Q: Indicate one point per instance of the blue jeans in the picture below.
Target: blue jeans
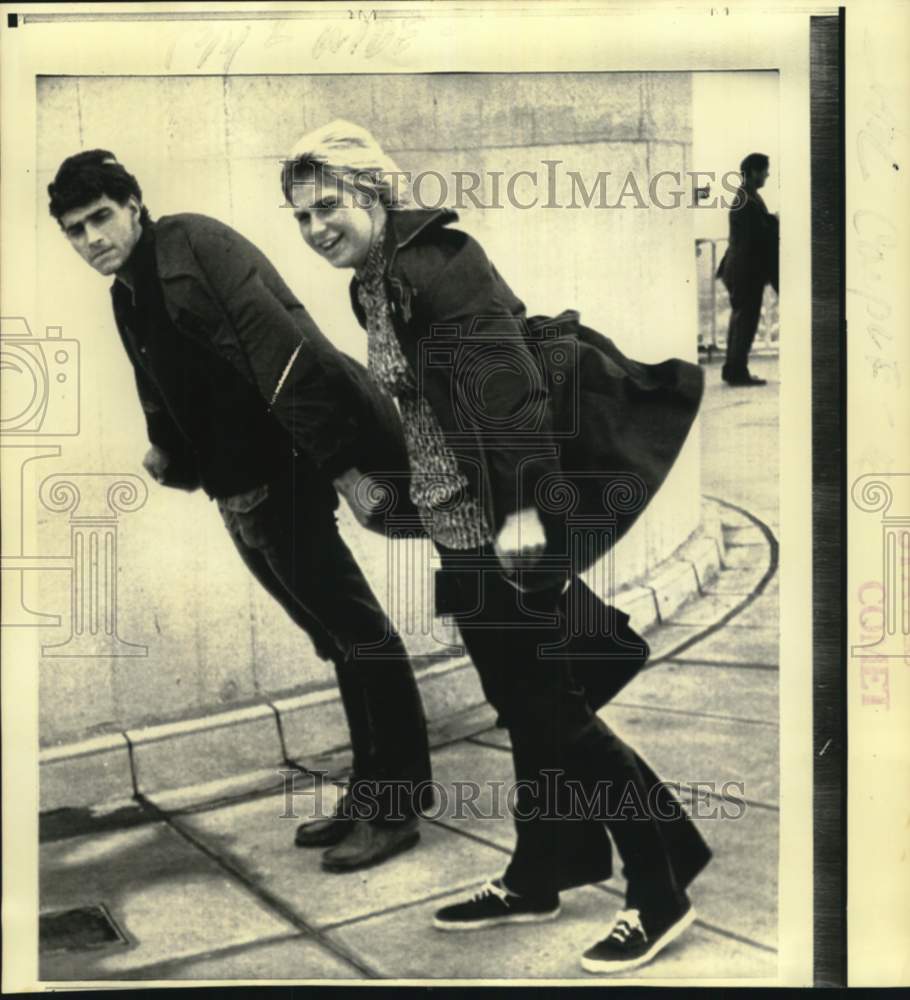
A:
(287, 534)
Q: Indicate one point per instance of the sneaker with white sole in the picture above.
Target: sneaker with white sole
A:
(629, 944)
(493, 904)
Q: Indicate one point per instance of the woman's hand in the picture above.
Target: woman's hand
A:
(521, 539)
(365, 495)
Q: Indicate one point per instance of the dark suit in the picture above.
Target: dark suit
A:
(750, 263)
(254, 404)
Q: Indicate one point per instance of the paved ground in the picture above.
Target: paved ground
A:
(214, 890)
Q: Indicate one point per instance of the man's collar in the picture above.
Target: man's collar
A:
(120, 286)
(138, 262)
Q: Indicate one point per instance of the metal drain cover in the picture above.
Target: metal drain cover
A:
(79, 929)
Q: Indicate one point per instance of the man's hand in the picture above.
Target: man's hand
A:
(521, 540)
(156, 462)
(364, 494)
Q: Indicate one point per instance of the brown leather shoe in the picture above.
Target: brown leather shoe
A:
(328, 831)
(323, 832)
(369, 844)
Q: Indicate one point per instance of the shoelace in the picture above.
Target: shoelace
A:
(491, 889)
(625, 924)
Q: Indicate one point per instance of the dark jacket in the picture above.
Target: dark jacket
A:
(539, 411)
(222, 293)
(751, 259)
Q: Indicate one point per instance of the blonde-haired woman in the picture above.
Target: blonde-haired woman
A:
(482, 403)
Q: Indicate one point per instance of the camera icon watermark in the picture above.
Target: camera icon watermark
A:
(41, 400)
(40, 381)
(509, 380)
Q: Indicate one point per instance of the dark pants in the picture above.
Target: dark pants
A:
(290, 542)
(568, 762)
(744, 317)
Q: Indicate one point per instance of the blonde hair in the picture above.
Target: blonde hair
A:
(350, 154)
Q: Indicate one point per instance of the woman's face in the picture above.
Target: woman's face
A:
(332, 221)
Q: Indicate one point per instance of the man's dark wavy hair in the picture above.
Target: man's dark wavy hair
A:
(754, 161)
(87, 176)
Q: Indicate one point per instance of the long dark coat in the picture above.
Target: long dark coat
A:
(751, 259)
(538, 410)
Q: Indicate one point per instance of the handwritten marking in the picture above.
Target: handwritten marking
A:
(227, 41)
(366, 36)
(878, 243)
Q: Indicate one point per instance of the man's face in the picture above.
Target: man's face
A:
(332, 222)
(103, 232)
(758, 177)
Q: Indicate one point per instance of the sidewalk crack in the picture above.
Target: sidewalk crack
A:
(266, 898)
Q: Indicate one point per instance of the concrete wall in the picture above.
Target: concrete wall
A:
(213, 145)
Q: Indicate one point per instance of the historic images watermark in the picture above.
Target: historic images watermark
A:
(551, 184)
(555, 797)
(41, 401)
(884, 615)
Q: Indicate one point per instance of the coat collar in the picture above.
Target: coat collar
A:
(172, 248)
(165, 248)
(172, 235)
(404, 226)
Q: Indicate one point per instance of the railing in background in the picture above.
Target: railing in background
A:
(714, 306)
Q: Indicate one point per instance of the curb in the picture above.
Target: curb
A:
(305, 730)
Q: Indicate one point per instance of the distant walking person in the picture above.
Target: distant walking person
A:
(750, 263)
(245, 397)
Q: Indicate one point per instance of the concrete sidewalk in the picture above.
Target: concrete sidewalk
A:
(209, 888)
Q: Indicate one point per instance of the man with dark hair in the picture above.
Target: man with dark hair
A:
(750, 263)
(245, 397)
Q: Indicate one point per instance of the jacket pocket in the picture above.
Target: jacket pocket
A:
(246, 518)
(243, 503)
